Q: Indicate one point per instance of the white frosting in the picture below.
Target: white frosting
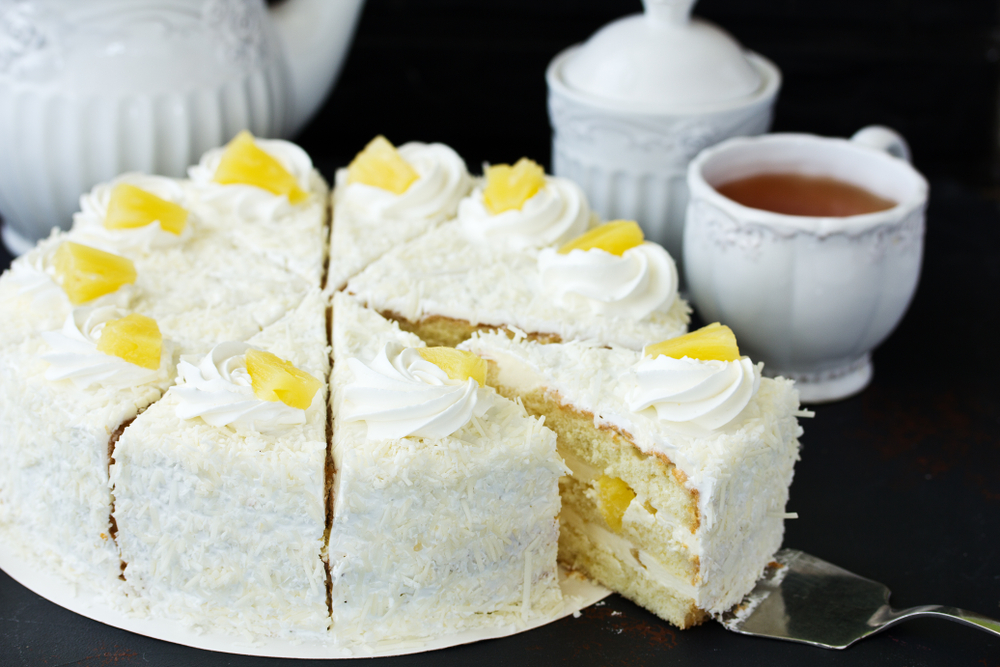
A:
(75, 356)
(557, 213)
(402, 394)
(219, 390)
(223, 528)
(54, 492)
(34, 278)
(368, 221)
(432, 536)
(248, 201)
(442, 182)
(640, 281)
(443, 274)
(706, 394)
(88, 223)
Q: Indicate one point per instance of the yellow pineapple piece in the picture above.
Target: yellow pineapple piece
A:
(615, 237)
(132, 207)
(243, 162)
(712, 342)
(274, 379)
(380, 165)
(86, 273)
(613, 496)
(509, 187)
(135, 338)
(457, 364)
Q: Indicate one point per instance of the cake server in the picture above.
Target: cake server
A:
(804, 599)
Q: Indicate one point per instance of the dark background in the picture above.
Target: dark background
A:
(900, 483)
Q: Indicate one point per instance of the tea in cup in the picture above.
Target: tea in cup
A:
(809, 248)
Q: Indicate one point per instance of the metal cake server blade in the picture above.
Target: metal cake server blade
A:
(804, 599)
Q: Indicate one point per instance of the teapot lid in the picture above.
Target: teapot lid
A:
(663, 59)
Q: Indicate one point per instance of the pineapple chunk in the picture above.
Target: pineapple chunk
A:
(457, 364)
(274, 379)
(380, 165)
(614, 497)
(135, 338)
(615, 237)
(132, 207)
(712, 342)
(86, 273)
(509, 187)
(243, 162)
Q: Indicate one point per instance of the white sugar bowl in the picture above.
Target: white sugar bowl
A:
(632, 106)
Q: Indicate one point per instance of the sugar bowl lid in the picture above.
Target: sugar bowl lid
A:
(663, 59)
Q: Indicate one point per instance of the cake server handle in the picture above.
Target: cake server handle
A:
(887, 616)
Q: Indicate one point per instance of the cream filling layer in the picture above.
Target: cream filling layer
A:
(640, 561)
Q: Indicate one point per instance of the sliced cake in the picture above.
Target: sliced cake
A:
(386, 197)
(67, 395)
(220, 487)
(522, 254)
(266, 197)
(681, 461)
(445, 497)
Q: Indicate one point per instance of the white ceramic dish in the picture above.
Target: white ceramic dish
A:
(578, 592)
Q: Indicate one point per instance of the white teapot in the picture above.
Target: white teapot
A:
(92, 89)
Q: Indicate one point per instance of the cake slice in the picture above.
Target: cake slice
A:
(219, 494)
(265, 196)
(508, 261)
(387, 197)
(68, 394)
(680, 466)
(445, 496)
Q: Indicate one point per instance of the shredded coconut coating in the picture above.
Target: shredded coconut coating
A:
(433, 536)
(741, 471)
(54, 495)
(223, 528)
(445, 273)
(362, 230)
(293, 237)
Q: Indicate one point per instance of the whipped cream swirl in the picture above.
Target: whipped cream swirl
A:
(704, 394)
(219, 390)
(557, 213)
(402, 394)
(34, 277)
(75, 356)
(642, 280)
(88, 223)
(248, 201)
(442, 182)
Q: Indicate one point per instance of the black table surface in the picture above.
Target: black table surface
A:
(899, 483)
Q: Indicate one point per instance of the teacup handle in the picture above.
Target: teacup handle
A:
(885, 139)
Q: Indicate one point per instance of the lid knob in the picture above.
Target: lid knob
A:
(677, 12)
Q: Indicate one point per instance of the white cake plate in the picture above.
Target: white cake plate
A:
(578, 592)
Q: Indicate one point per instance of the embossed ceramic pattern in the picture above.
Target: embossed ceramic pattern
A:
(810, 297)
(91, 89)
(633, 165)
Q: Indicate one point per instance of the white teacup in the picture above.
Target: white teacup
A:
(811, 297)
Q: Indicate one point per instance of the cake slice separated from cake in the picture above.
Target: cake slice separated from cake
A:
(68, 393)
(522, 254)
(219, 488)
(445, 497)
(680, 466)
(386, 197)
